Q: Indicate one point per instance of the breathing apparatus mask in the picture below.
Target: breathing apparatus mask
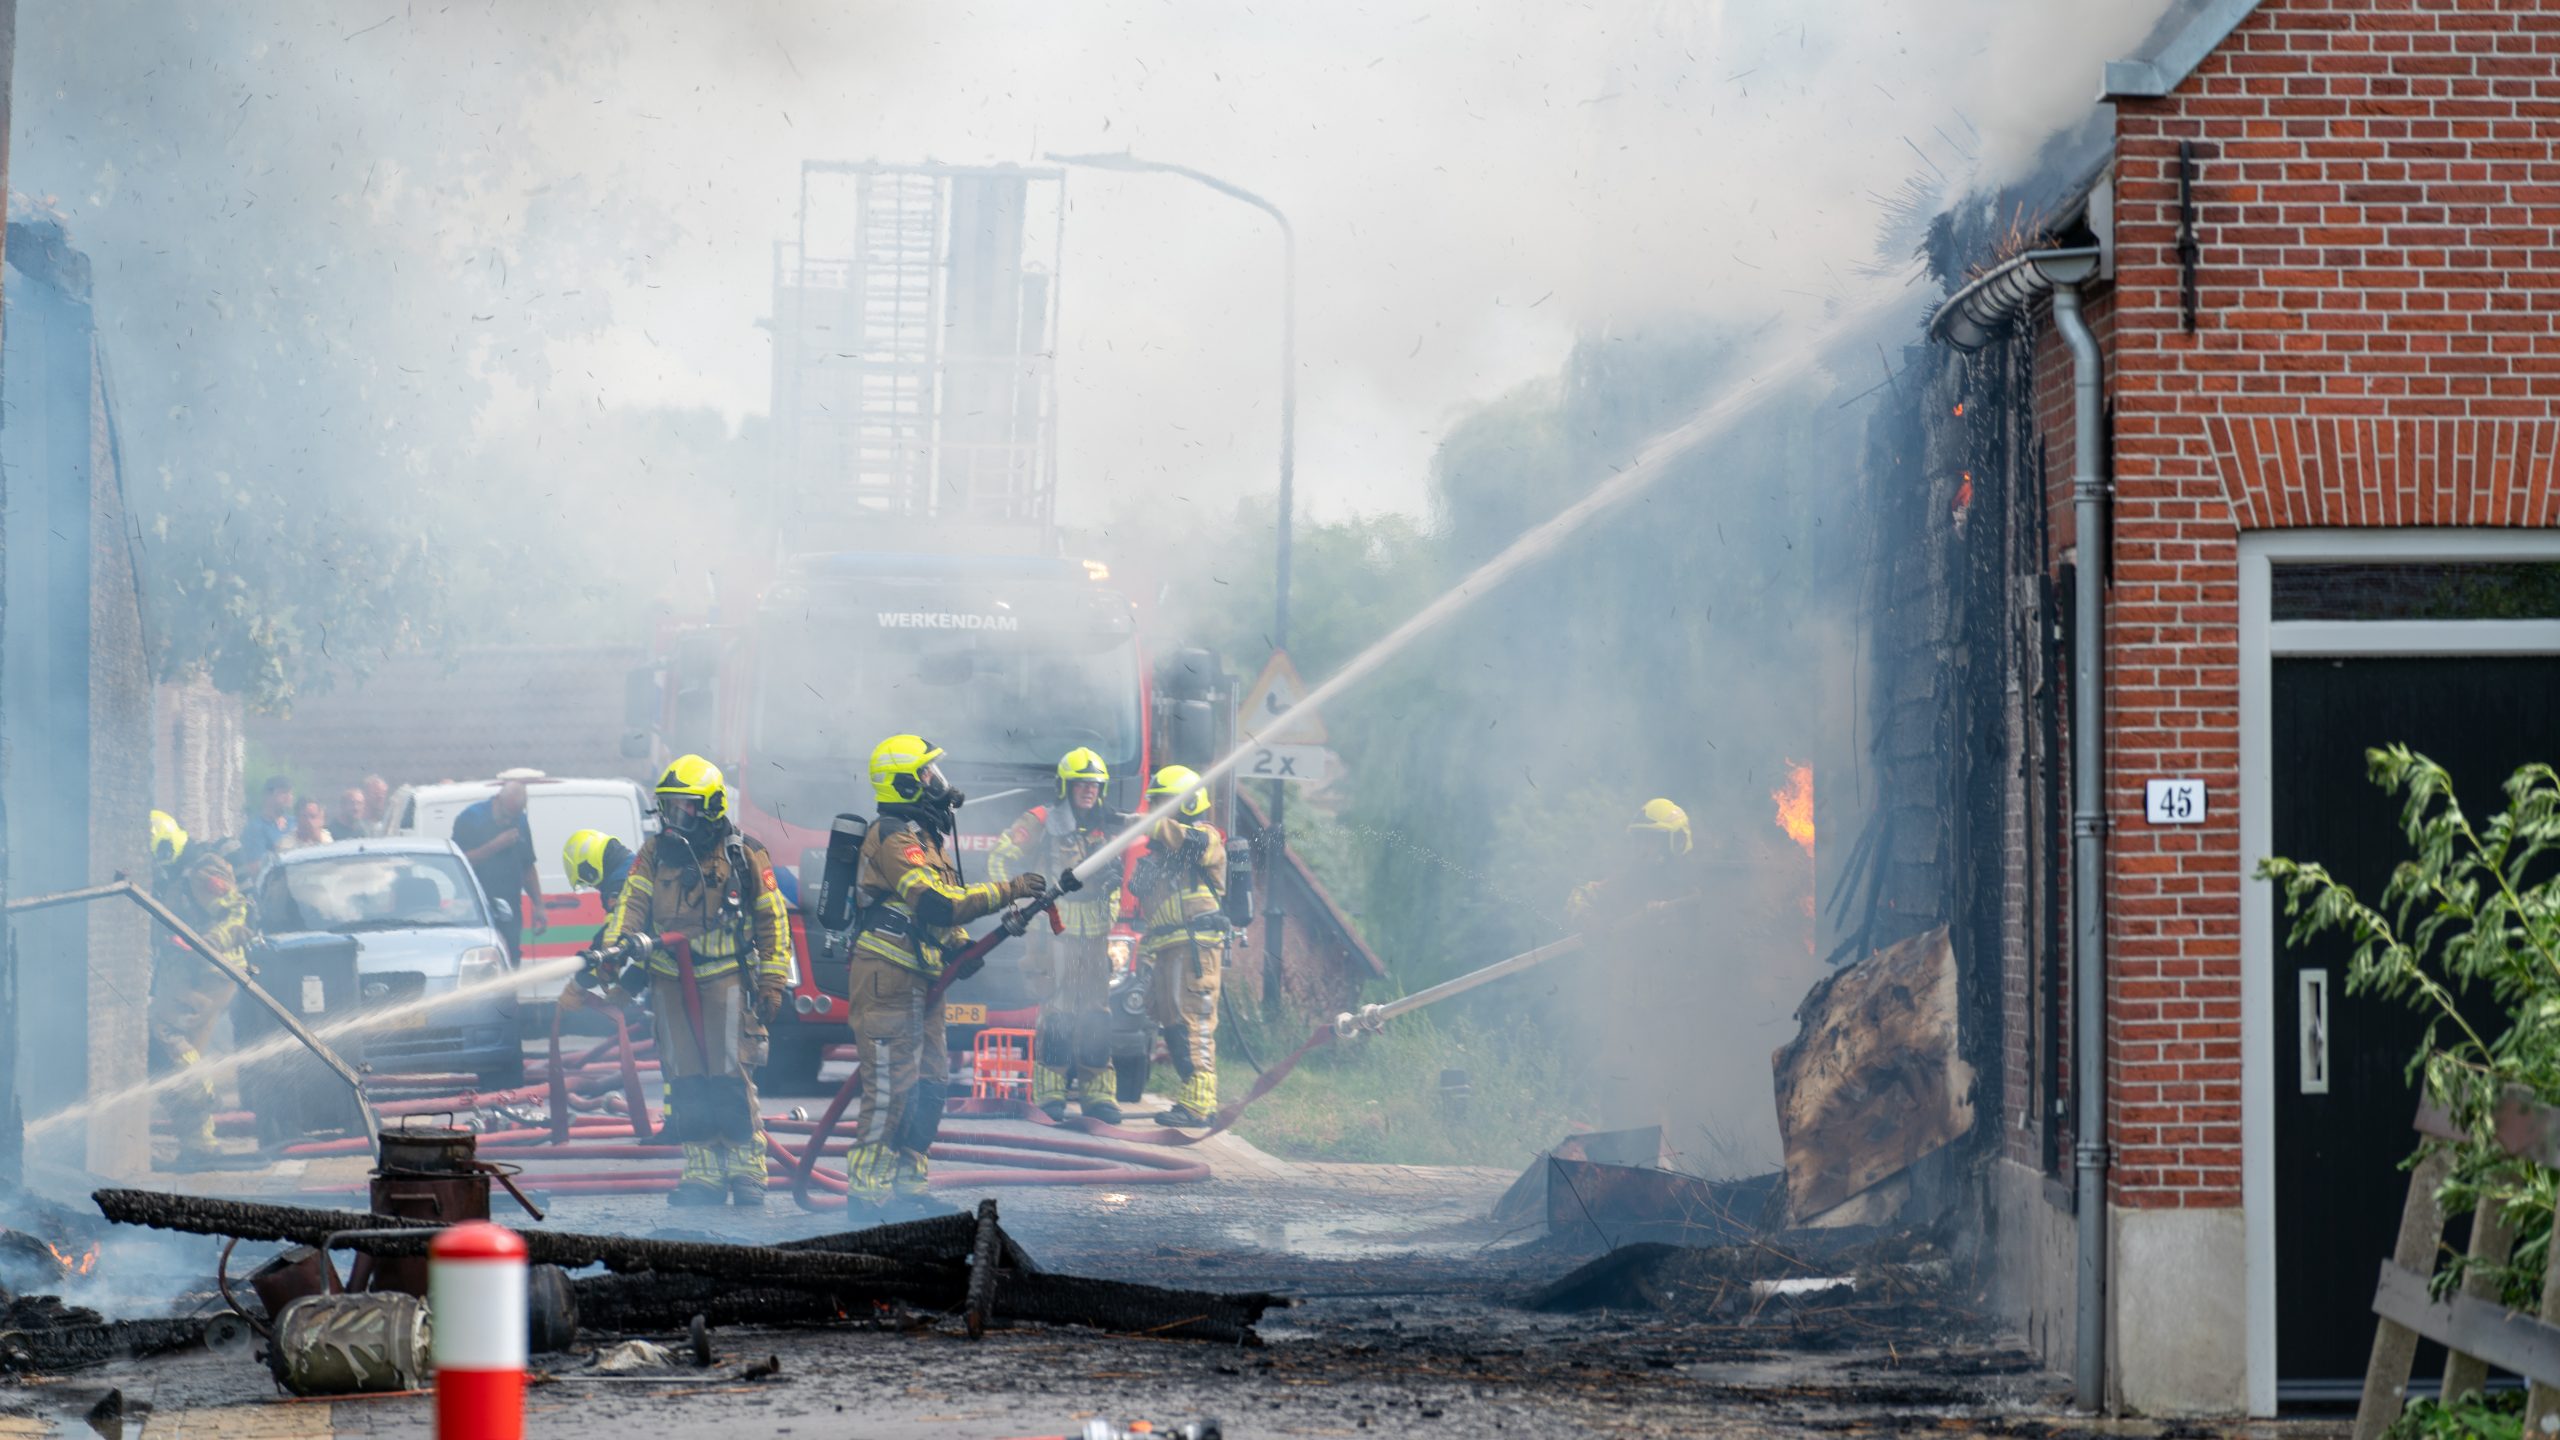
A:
(935, 803)
(689, 820)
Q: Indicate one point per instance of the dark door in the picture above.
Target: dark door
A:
(2338, 1184)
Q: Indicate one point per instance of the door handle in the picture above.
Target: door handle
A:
(2314, 1011)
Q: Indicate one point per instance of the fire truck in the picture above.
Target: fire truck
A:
(917, 584)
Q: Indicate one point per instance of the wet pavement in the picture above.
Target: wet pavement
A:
(1405, 1324)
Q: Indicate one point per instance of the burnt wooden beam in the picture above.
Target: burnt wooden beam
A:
(929, 1266)
(390, 1236)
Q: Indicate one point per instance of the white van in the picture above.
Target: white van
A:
(557, 809)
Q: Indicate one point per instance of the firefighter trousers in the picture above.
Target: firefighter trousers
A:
(1182, 997)
(188, 997)
(1072, 1047)
(905, 1069)
(712, 1108)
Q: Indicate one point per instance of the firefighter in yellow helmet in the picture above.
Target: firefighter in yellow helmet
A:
(1655, 867)
(718, 971)
(188, 995)
(1070, 971)
(1180, 886)
(911, 905)
(596, 861)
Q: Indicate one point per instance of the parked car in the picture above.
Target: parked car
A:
(421, 928)
(557, 808)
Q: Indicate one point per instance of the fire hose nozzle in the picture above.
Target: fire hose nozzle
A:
(1367, 1021)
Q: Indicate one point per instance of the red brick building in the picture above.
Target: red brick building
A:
(2316, 244)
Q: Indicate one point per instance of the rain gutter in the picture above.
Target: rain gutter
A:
(1970, 319)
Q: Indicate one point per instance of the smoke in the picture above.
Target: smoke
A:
(440, 251)
(443, 323)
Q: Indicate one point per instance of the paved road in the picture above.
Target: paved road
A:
(1406, 1327)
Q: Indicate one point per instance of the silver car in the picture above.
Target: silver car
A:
(421, 927)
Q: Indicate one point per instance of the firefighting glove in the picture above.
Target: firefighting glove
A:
(769, 1001)
(1030, 885)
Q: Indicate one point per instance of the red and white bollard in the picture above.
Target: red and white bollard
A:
(475, 1301)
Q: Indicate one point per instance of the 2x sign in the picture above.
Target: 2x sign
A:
(1303, 764)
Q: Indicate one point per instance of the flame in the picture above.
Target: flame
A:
(1959, 407)
(1795, 805)
(77, 1264)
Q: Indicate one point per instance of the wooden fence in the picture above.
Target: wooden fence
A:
(2470, 1323)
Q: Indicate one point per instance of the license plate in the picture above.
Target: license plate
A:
(964, 1014)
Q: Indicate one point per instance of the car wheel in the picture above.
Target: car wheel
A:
(792, 1066)
(505, 1073)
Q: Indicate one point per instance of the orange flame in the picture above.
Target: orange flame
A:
(1959, 407)
(77, 1264)
(1795, 805)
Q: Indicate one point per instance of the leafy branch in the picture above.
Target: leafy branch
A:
(2475, 907)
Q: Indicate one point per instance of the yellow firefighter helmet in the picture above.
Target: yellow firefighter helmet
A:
(1667, 820)
(692, 775)
(168, 838)
(1184, 781)
(583, 857)
(1081, 764)
(900, 767)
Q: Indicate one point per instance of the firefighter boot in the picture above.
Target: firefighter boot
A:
(1050, 1090)
(744, 1163)
(908, 1178)
(701, 1183)
(867, 1169)
(1093, 1097)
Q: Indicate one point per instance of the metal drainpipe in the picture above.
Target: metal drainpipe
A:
(2088, 847)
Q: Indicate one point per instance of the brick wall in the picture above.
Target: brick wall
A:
(2377, 197)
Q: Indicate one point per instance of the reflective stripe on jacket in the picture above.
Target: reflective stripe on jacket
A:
(914, 906)
(203, 891)
(1176, 891)
(671, 892)
(1049, 841)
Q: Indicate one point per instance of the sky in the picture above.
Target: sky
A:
(1473, 186)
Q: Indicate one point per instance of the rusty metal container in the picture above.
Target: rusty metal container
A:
(424, 1174)
(290, 1276)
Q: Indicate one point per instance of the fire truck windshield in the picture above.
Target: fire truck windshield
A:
(1017, 683)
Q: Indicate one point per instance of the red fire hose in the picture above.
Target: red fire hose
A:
(599, 1113)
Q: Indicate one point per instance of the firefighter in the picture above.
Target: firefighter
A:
(188, 995)
(1180, 884)
(1655, 866)
(912, 905)
(1628, 916)
(1071, 971)
(596, 861)
(717, 976)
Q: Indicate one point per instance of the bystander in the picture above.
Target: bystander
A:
(271, 822)
(497, 839)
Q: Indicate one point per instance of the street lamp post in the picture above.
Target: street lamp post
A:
(1273, 920)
